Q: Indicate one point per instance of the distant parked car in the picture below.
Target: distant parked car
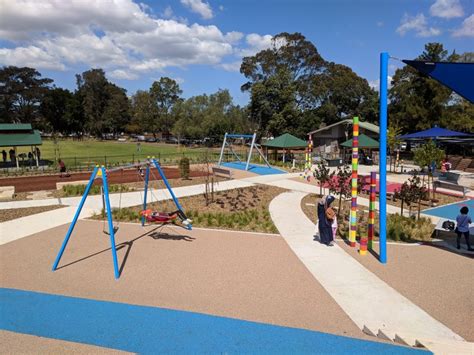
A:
(172, 140)
(140, 138)
(122, 139)
(151, 140)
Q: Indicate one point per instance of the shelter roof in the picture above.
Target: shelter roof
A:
(286, 141)
(364, 142)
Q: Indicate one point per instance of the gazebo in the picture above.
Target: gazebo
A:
(365, 142)
(287, 142)
(19, 135)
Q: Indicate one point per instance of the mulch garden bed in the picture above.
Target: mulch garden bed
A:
(244, 209)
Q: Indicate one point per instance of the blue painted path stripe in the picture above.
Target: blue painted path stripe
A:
(156, 330)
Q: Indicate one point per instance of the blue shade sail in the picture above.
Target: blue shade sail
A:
(459, 77)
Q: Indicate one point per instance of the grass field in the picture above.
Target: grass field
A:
(90, 152)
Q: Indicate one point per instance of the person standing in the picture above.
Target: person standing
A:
(4, 156)
(326, 216)
(463, 220)
(38, 154)
(62, 168)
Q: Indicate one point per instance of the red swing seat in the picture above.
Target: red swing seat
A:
(159, 217)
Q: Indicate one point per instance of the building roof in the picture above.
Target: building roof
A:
(15, 135)
(287, 141)
(364, 142)
(15, 127)
(366, 125)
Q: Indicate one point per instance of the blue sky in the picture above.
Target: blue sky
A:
(200, 43)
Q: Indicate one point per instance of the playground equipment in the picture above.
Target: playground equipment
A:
(253, 145)
(147, 214)
(308, 166)
(355, 164)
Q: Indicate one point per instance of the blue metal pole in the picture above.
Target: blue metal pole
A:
(383, 158)
(76, 216)
(176, 202)
(147, 176)
(109, 219)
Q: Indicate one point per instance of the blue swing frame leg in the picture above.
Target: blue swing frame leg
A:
(111, 225)
(176, 202)
(76, 216)
(147, 177)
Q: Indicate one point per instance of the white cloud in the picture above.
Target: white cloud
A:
(168, 13)
(446, 9)
(467, 28)
(200, 7)
(234, 36)
(22, 19)
(418, 24)
(122, 74)
(256, 43)
(379, 23)
(375, 84)
(30, 56)
(221, 7)
(232, 67)
(120, 36)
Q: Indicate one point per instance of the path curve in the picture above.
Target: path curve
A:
(369, 302)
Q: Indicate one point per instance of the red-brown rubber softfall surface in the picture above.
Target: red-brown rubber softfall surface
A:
(48, 182)
(439, 281)
(238, 275)
(15, 343)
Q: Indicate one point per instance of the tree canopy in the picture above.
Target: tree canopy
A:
(293, 89)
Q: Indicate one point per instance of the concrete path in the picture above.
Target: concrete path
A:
(25, 226)
(372, 304)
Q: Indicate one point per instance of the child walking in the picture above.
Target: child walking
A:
(463, 220)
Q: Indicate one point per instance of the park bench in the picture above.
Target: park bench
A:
(220, 172)
(450, 186)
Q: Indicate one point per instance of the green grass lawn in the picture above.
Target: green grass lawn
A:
(91, 152)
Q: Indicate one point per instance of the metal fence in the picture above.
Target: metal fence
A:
(87, 163)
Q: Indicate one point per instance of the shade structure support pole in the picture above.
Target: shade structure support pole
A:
(383, 158)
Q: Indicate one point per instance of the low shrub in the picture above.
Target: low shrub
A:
(184, 168)
(407, 229)
(78, 190)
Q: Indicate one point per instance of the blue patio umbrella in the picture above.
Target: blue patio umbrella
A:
(435, 132)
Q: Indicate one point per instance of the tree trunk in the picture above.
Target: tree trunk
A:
(401, 207)
(339, 208)
(419, 206)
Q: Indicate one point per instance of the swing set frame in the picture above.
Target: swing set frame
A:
(253, 145)
(101, 172)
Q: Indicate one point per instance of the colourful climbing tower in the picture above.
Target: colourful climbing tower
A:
(355, 165)
(308, 159)
(372, 197)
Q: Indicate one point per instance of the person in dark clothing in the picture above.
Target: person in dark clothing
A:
(325, 224)
(463, 220)
(4, 156)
